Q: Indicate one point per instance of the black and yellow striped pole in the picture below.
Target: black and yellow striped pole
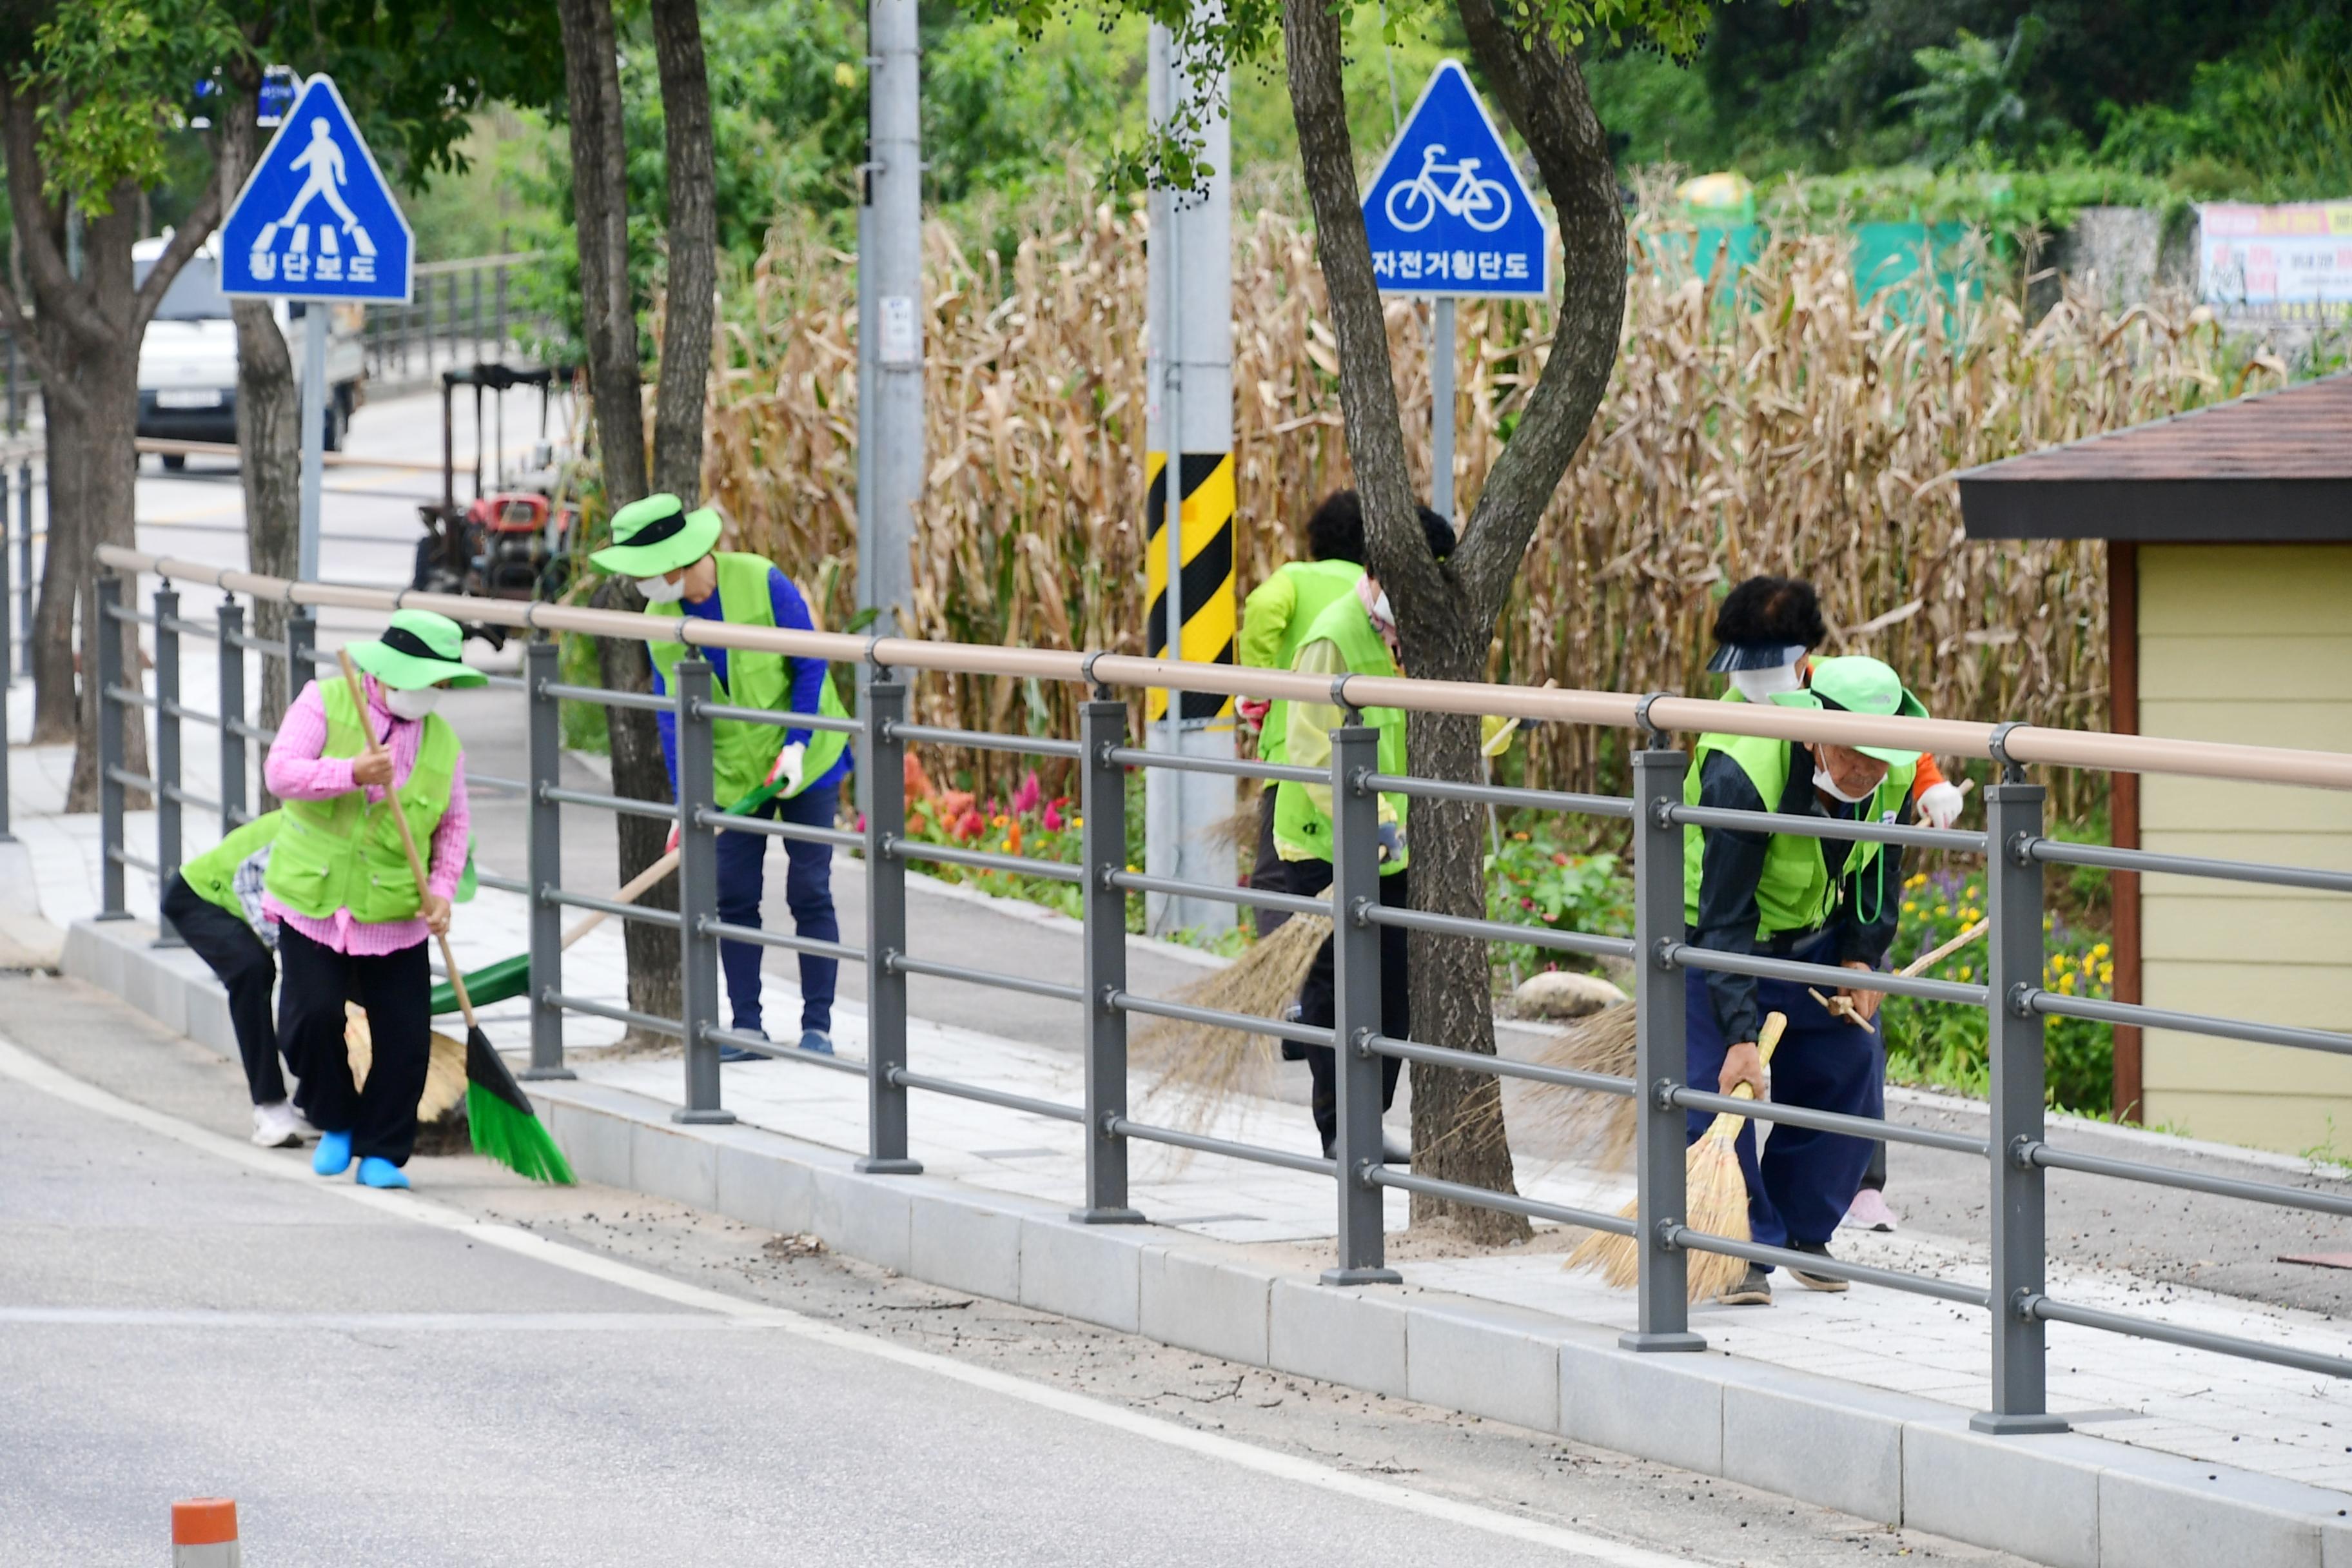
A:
(1188, 504)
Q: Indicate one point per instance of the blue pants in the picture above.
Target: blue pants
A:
(1800, 1190)
(808, 893)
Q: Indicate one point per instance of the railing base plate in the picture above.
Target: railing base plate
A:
(1362, 1276)
(1108, 1216)
(543, 1075)
(703, 1118)
(1661, 1342)
(2002, 1425)
(871, 1166)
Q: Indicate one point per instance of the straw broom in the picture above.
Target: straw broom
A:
(1203, 1067)
(1715, 1201)
(497, 1112)
(1598, 1128)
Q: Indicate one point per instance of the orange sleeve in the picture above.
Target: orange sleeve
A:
(1928, 776)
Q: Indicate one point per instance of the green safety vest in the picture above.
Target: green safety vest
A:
(212, 876)
(1794, 892)
(345, 853)
(1297, 820)
(1316, 586)
(745, 751)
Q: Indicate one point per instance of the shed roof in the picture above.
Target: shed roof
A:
(2273, 468)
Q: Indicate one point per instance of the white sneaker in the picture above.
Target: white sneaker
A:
(302, 1123)
(276, 1126)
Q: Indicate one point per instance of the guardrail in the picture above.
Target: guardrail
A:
(477, 308)
(2015, 846)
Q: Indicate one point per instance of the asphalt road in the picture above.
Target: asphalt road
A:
(482, 1371)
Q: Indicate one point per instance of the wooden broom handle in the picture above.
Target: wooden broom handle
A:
(636, 887)
(400, 820)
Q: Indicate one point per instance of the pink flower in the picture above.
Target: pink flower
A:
(1027, 798)
(861, 821)
(1053, 817)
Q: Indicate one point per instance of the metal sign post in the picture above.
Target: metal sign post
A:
(1449, 218)
(317, 222)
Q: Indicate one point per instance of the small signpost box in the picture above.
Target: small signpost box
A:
(1449, 218)
(316, 222)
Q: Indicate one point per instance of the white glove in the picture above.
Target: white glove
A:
(790, 762)
(1940, 804)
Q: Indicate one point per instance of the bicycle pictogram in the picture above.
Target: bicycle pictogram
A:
(1484, 205)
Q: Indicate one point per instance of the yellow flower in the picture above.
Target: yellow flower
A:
(2107, 975)
(2100, 950)
(2066, 984)
(1909, 908)
(1966, 971)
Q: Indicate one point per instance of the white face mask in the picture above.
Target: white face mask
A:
(1380, 611)
(1828, 785)
(661, 590)
(1758, 684)
(413, 704)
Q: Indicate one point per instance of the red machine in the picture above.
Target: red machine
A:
(509, 544)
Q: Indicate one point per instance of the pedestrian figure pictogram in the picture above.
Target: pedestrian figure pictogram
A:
(317, 221)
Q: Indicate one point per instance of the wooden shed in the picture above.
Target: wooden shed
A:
(2229, 542)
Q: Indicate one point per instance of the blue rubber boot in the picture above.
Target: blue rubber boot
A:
(333, 1155)
(816, 1042)
(378, 1173)
(738, 1054)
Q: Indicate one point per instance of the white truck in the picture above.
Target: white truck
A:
(187, 362)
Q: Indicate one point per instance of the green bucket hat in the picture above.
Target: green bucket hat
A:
(1857, 684)
(657, 535)
(417, 649)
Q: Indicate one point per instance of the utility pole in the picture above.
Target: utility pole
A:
(890, 462)
(1189, 567)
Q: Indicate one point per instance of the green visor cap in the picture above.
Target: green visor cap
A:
(418, 649)
(1857, 684)
(655, 536)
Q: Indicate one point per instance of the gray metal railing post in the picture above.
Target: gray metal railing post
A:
(698, 894)
(110, 751)
(543, 856)
(231, 616)
(1356, 1016)
(1102, 805)
(301, 642)
(882, 780)
(9, 662)
(2014, 1046)
(24, 564)
(1661, 1056)
(167, 752)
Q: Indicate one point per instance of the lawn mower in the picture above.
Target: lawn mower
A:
(510, 541)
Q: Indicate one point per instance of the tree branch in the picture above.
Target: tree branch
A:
(64, 300)
(54, 383)
(191, 232)
(1543, 90)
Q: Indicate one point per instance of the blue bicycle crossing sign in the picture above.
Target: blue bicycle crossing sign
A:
(317, 221)
(1447, 213)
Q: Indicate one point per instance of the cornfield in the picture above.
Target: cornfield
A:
(1776, 421)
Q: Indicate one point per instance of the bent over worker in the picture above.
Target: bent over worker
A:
(1356, 635)
(1275, 618)
(214, 901)
(1830, 901)
(790, 773)
(351, 921)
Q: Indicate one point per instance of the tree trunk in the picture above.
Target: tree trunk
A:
(601, 223)
(268, 428)
(57, 702)
(693, 249)
(111, 476)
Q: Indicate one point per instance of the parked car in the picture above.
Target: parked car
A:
(187, 362)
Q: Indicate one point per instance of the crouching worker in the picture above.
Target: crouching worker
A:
(352, 922)
(214, 902)
(1355, 635)
(1812, 901)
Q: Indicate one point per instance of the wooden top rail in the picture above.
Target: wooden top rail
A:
(1545, 705)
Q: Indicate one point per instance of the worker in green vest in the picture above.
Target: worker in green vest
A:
(213, 902)
(351, 921)
(1274, 620)
(1830, 901)
(1355, 635)
(673, 554)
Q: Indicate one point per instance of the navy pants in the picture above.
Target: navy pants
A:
(1800, 1188)
(808, 893)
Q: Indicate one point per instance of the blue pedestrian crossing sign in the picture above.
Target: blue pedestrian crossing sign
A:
(1447, 213)
(317, 221)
